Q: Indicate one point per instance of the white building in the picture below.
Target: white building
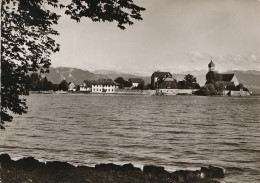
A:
(72, 87)
(84, 87)
(105, 86)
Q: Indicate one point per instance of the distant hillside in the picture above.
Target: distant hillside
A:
(76, 76)
(114, 74)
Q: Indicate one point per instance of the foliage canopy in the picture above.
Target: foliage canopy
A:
(27, 39)
(189, 82)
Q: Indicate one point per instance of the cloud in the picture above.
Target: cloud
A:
(245, 61)
(252, 56)
(195, 56)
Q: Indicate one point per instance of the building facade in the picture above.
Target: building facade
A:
(136, 82)
(72, 87)
(158, 77)
(84, 87)
(104, 86)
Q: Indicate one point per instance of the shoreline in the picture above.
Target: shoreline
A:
(135, 94)
(29, 169)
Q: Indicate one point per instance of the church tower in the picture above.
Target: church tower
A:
(211, 66)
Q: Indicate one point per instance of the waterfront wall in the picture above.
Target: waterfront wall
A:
(237, 93)
(177, 91)
(136, 92)
(240, 93)
(159, 91)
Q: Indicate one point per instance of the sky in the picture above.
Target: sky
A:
(174, 36)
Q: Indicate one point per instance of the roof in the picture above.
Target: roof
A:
(161, 74)
(227, 77)
(87, 82)
(104, 82)
(169, 79)
(211, 64)
(136, 80)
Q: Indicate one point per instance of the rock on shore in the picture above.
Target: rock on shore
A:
(27, 170)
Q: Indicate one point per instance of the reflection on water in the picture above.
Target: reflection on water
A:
(177, 132)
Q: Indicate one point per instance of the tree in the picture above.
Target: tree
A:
(219, 87)
(25, 47)
(207, 89)
(50, 85)
(140, 86)
(127, 84)
(196, 86)
(189, 82)
(149, 86)
(63, 85)
(212, 77)
(45, 84)
(122, 83)
(27, 39)
(78, 88)
(55, 87)
(181, 85)
(35, 82)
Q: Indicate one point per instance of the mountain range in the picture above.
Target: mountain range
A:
(250, 79)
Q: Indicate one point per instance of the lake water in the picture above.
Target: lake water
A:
(177, 132)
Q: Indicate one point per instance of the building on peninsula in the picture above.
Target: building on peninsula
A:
(104, 86)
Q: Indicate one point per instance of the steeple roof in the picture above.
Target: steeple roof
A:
(211, 64)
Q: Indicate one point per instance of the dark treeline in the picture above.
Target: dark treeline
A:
(126, 83)
(122, 83)
(39, 83)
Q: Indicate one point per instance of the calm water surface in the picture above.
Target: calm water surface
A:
(177, 132)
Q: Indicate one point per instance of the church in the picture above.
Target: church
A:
(227, 79)
(231, 84)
